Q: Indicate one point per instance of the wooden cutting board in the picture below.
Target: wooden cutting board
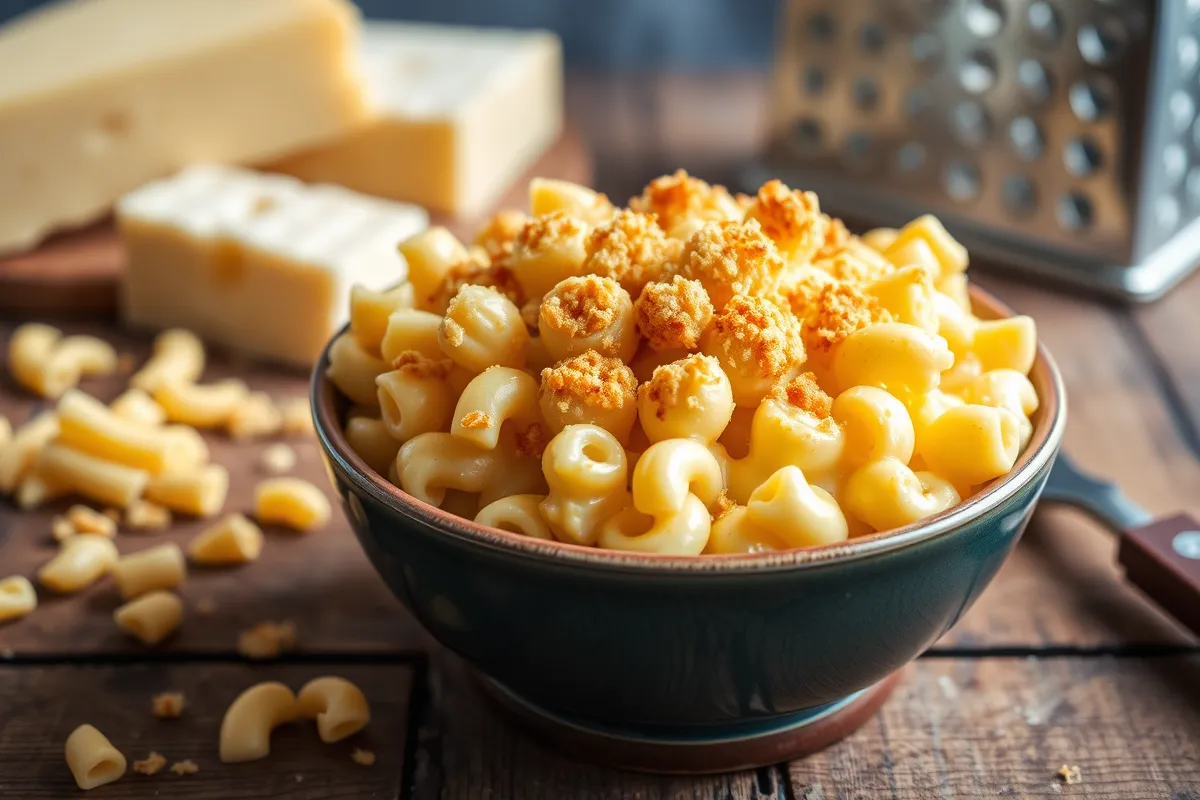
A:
(76, 274)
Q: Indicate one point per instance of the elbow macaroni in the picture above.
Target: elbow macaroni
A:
(779, 382)
(92, 759)
(159, 567)
(291, 502)
(81, 561)
(199, 491)
(233, 540)
(151, 617)
(339, 707)
(17, 597)
(249, 720)
(178, 358)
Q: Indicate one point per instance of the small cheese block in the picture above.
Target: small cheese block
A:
(462, 113)
(99, 96)
(256, 262)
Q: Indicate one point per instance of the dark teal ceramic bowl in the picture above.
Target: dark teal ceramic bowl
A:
(688, 648)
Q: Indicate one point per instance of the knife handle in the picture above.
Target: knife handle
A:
(1162, 559)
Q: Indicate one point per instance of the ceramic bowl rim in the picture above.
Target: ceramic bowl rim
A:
(1034, 460)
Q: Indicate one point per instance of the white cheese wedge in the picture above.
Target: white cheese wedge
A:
(259, 263)
(462, 113)
(99, 96)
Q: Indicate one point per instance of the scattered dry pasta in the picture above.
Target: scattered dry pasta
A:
(17, 597)
(698, 373)
(291, 502)
(92, 759)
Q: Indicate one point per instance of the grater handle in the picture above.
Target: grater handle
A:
(1162, 559)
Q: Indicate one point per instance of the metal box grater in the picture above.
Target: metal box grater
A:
(1057, 136)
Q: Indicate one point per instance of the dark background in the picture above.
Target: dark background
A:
(674, 35)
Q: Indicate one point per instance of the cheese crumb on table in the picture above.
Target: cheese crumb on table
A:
(362, 757)
(142, 515)
(185, 767)
(168, 705)
(1069, 774)
(297, 415)
(278, 458)
(267, 640)
(150, 765)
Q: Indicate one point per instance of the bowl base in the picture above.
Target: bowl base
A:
(694, 750)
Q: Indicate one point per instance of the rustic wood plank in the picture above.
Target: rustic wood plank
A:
(465, 750)
(43, 705)
(976, 728)
(321, 580)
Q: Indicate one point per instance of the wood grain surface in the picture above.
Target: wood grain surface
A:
(77, 272)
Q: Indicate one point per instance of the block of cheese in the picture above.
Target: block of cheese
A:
(256, 262)
(462, 113)
(99, 96)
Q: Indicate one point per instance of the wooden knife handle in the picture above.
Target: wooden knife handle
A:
(1163, 560)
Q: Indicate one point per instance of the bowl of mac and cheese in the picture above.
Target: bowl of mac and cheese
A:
(705, 463)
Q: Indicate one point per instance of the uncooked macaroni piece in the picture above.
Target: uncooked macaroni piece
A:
(144, 516)
(210, 405)
(47, 363)
(297, 415)
(291, 502)
(159, 567)
(151, 617)
(249, 720)
(137, 406)
(92, 759)
(91, 476)
(339, 707)
(178, 357)
(168, 705)
(364, 758)
(278, 458)
(150, 765)
(19, 454)
(89, 520)
(267, 640)
(256, 415)
(233, 540)
(17, 597)
(198, 491)
(81, 561)
(61, 528)
(697, 374)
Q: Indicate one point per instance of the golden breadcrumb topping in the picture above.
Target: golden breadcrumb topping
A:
(542, 233)
(731, 258)
(419, 365)
(804, 393)
(478, 269)
(672, 314)
(722, 506)
(754, 331)
(857, 264)
(594, 380)
(529, 314)
(267, 640)
(679, 197)
(790, 218)
(679, 379)
(498, 235)
(168, 705)
(799, 286)
(839, 310)
(476, 420)
(150, 765)
(630, 248)
(836, 238)
(531, 441)
(583, 306)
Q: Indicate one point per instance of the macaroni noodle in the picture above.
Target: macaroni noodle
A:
(81, 561)
(338, 706)
(150, 618)
(92, 759)
(159, 567)
(291, 502)
(178, 358)
(17, 597)
(233, 540)
(249, 720)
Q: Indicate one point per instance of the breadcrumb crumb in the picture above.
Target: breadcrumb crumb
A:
(837, 311)
(142, 515)
(753, 332)
(277, 458)
(531, 441)
(731, 258)
(185, 767)
(544, 232)
(790, 218)
(594, 380)
(804, 393)
(267, 640)
(150, 765)
(1069, 774)
(497, 236)
(679, 378)
(364, 758)
(476, 420)
(478, 269)
(836, 238)
(419, 365)
(168, 705)
(632, 249)
(723, 505)
(672, 315)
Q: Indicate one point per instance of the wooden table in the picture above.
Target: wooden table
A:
(1058, 663)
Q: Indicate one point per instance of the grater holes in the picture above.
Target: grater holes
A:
(1100, 44)
(1174, 163)
(910, 158)
(1043, 23)
(961, 181)
(1167, 213)
(1020, 195)
(821, 27)
(857, 150)
(814, 81)
(1090, 100)
(807, 135)
(866, 94)
(925, 49)
(1191, 187)
(1074, 212)
(971, 124)
(1081, 156)
(978, 72)
(1187, 53)
(983, 18)
(1182, 110)
(1026, 138)
(872, 38)
(917, 103)
(1035, 81)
